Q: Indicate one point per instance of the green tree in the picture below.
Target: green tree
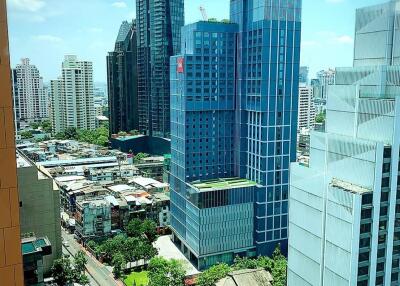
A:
(149, 228)
(320, 118)
(71, 133)
(112, 246)
(245, 263)
(213, 274)
(140, 156)
(62, 271)
(134, 132)
(122, 133)
(166, 272)
(91, 244)
(148, 251)
(132, 249)
(82, 280)
(46, 125)
(80, 261)
(119, 264)
(134, 228)
(279, 269)
(26, 135)
(34, 125)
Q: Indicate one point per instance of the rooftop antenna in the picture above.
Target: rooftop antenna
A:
(203, 13)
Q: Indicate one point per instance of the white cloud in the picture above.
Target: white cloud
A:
(344, 39)
(27, 5)
(119, 4)
(330, 37)
(47, 38)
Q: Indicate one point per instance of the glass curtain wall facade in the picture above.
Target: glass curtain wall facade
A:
(122, 81)
(212, 218)
(159, 24)
(351, 185)
(234, 101)
(266, 104)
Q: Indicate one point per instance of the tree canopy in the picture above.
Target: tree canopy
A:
(98, 136)
(276, 266)
(166, 272)
(320, 118)
(67, 272)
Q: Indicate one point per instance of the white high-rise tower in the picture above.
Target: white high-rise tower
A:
(72, 102)
(30, 97)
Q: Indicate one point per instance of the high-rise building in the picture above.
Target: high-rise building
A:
(325, 78)
(72, 96)
(267, 102)
(303, 75)
(234, 100)
(306, 107)
(11, 272)
(344, 206)
(30, 96)
(122, 81)
(159, 24)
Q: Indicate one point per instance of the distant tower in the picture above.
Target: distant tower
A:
(72, 96)
(159, 24)
(306, 108)
(122, 81)
(31, 102)
(303, 75)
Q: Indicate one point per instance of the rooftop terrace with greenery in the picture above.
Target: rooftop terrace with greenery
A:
(222, 184)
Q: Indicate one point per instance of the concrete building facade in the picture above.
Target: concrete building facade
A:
(30, 97)
(306, 107)
(39, 206)
(11, 272)
(72, 102)
(345, 205)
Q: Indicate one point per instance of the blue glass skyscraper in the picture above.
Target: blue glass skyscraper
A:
(267, 99)
(234, 97)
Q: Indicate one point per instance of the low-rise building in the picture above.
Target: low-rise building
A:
(149, 185)
(34, 252)
(39, 199)
(93, 218)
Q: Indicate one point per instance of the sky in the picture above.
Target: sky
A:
(46, 30)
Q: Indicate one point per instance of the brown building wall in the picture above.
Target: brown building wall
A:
(11, 272)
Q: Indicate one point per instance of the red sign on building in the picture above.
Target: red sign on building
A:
(180, 63)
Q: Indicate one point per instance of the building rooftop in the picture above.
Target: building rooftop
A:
(247, 277)
(222, 184)
(349, 187)
(82, 161)
(33, 245)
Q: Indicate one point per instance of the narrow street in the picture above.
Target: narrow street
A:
(99, 275)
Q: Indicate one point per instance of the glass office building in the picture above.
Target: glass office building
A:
(234, 97)
(122, 81)
(268, 60)
(345, 205)
(159, 24)
(212, 210)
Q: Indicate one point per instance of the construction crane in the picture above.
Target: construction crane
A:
(203, 13)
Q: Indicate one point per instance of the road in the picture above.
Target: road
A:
(99, 275)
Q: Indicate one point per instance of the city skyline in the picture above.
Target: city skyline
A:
(49, 33)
